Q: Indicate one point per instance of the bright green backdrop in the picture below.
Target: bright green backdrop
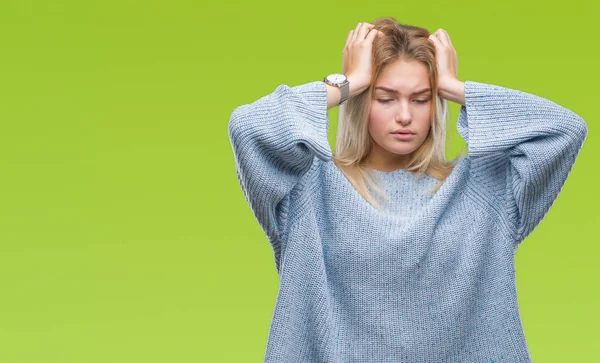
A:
(124, 235)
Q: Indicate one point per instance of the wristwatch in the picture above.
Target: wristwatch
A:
(341, 81)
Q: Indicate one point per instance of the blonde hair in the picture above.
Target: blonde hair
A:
(353, 142)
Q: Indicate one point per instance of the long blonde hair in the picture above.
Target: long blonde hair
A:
(353, 142)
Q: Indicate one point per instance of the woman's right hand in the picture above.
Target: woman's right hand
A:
(357, 57)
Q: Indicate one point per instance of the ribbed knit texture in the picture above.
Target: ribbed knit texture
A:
(430, 278)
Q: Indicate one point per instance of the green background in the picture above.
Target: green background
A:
(124, 235)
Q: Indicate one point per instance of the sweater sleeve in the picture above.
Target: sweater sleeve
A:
(522, 149)
(275, 141)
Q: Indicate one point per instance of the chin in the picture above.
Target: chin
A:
(401, 151)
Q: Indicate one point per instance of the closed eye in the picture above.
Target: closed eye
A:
(418, 101)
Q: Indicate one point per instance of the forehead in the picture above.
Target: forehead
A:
(404, 76)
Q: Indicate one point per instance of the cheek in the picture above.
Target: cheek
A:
(376, 112)
(377, 120)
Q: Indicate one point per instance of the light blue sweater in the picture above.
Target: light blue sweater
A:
(431, 278)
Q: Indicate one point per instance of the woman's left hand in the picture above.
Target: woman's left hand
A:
(447, 61)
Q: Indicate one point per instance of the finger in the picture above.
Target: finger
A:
(434, 40)
(362, 32)
(371, 27)
(441, 37)
(355, 33)
(446, 37)
(348, 38)
(437, 41)
(372, 34)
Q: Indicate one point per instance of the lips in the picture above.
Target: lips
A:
(403, 132)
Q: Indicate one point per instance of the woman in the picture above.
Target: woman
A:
(385, 251)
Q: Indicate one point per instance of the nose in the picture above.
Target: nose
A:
(403, 114)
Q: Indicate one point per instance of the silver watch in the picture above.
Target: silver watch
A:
(341, 81)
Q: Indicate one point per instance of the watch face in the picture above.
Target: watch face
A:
(336, 78)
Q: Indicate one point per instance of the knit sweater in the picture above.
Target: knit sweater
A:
(431, 278)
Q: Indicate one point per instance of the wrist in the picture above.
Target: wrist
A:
(453, 90)
(357, 85)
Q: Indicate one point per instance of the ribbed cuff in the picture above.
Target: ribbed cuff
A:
(496, 118)
(314, 107)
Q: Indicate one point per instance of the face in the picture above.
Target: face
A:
(397, 104)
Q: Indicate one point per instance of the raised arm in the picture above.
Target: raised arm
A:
(522, 149)
(275, 141)
(277, 138)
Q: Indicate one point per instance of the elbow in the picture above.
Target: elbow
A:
(583, 127)
(575, 131)
(234, 126)
(578, 129)
(573, 125)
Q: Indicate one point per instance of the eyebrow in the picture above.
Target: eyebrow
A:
(396, 92)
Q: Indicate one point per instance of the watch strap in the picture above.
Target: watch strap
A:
(343, 86)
